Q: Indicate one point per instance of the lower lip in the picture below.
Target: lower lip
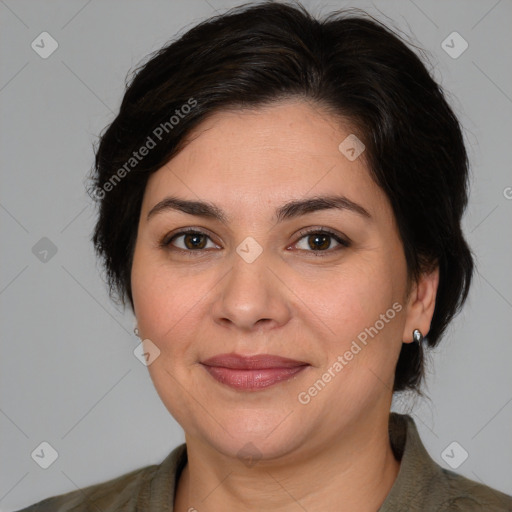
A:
(252, 380)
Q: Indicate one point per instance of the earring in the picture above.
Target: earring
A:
(417, 336)
(136, 331)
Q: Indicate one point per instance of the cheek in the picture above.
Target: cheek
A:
(165, 304)
(169, 302)
(154, 296)
(363, 318)
(351, 296)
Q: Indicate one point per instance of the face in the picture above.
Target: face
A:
(322, 284)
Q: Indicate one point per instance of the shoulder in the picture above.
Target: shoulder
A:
(460, 494)
(130, 492)
(109, 495)
(422, 484)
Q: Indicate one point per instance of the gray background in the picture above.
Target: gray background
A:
(68, 373)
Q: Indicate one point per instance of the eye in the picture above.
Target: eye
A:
(320, 241)
(316, 240)
(188, 240)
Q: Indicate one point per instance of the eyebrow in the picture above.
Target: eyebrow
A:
(289, 210)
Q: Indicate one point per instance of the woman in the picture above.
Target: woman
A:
(280, 203)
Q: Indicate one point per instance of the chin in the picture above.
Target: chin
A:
(264, 434)
(251, 448)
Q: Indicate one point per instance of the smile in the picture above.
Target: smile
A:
(252, 373)
(252, 380)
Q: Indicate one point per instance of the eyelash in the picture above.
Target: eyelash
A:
(165, 243)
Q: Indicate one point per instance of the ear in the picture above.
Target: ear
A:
(421, 304)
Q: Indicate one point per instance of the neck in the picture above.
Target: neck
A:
(353, 471)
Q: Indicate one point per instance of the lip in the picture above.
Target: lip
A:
(257, 362)
(252, 373)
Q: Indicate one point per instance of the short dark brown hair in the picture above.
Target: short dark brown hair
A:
(349, 63)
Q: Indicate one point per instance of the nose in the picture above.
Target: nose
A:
(252, 297)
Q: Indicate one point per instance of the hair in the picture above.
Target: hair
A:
(351, 65)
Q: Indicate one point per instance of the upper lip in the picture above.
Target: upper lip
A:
(239, 362)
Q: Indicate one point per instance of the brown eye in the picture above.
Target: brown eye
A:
(194, 241)
(320, 241)
(190, 240)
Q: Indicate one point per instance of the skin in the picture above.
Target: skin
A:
(332, 453)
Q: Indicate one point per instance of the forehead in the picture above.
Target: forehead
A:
(265, 157)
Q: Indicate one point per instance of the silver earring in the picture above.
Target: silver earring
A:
(417, 336)
(136, 331)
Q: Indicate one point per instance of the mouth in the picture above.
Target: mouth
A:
(252, 373)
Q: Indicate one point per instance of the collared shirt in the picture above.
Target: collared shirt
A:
(421, 484)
